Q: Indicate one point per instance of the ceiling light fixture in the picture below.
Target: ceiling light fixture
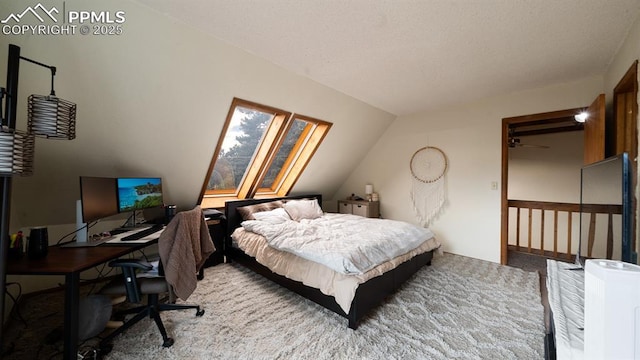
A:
(582, 117)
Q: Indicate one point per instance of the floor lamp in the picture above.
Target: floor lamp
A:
(49, 117)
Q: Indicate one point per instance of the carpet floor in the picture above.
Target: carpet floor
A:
(458, 308)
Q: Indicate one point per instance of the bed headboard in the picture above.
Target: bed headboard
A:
(233, 216)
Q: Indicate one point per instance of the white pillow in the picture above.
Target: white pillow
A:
(303, 209)
(275, 216)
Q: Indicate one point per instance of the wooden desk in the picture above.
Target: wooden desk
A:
(70, 262)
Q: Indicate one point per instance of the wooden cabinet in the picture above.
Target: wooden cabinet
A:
(359, 207)
(594, 132)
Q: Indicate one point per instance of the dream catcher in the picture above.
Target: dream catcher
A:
(428, 166)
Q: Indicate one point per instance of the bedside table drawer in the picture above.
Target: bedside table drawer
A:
(361, 210)
(344, 208)
(359, 207)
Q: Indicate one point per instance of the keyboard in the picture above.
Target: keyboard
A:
(118, 231)
(142, 233)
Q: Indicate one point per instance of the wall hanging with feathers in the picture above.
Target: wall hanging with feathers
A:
(428, 166)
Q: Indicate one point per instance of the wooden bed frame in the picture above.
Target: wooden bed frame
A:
(368, 295)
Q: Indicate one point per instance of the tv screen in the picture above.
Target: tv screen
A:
(606, 211)
(139, 193)
(99, 198)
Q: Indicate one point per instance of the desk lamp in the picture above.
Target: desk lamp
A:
(49, 117)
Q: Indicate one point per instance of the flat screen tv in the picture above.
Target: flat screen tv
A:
(606, 211)
(139, 193)
(99, 198)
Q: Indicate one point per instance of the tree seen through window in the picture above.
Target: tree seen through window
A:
(247, 128)
(261, 151)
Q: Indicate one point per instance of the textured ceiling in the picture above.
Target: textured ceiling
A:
(411, 56)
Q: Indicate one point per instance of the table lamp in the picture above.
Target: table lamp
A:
(368, 189)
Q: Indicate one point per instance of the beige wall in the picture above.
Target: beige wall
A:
(629, 52)
(469, 135)
(532, 170)
(152, 102)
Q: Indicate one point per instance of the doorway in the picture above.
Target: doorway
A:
(514, 132)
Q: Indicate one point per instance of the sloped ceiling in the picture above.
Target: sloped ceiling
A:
(411, 56)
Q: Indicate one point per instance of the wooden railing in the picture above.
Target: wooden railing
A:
(565, 238)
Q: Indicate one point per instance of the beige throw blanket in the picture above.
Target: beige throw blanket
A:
(184, 246)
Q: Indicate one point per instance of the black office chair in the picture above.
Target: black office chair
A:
(135, 288)
(185, 231)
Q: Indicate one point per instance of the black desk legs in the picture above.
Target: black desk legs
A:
(71, 317)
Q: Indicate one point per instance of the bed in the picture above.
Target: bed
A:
(369, 293)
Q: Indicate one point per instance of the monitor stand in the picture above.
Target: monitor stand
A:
(130, 225)
(82, 231)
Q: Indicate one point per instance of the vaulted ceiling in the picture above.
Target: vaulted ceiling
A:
(410, 56)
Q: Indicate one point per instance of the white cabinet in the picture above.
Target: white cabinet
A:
(359, 207)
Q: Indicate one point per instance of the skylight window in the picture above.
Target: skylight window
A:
(262, 151)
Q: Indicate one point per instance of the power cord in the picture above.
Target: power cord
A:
(15, 300)
(14, 310)
(86, 226)
(144, 255)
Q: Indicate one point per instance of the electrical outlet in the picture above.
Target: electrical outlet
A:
(494, 185)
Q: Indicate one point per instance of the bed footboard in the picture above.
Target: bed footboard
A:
(373, 292)
(368, 295)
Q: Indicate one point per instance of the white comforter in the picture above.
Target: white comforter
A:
(346, 243)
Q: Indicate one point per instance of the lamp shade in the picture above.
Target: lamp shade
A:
(368, 189)
(51, 117)
(16, 152)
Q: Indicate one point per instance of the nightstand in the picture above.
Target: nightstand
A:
(359, 207)
(217, 231)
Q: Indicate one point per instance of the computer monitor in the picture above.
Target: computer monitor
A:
(98, 197)
(139, 193)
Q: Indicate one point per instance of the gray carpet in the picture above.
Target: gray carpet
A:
(458, 308)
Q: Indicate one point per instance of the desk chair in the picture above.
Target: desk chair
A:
(184, 246)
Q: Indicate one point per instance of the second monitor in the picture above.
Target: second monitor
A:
(139, 193)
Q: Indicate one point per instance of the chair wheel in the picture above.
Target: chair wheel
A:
(200, 312)
(168, 342)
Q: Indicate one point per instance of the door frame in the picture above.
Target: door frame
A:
(533, 119)
(624, 128)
